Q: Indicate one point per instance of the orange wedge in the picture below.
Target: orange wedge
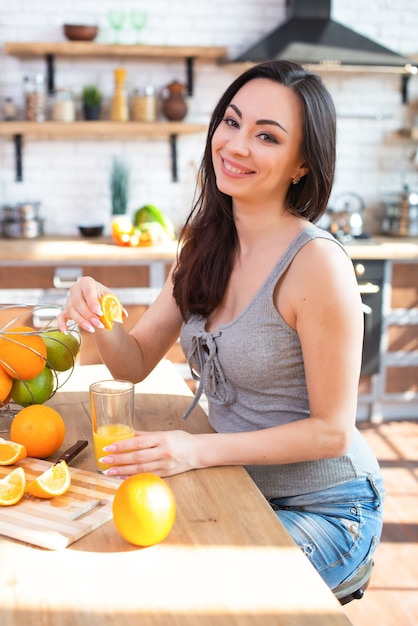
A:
(55, 481)
(11, 452)
(12, 487)
(112, 310)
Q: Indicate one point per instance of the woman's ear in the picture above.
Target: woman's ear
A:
(303, 170)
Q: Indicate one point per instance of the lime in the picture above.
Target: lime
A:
(61, 349)
(35, 391)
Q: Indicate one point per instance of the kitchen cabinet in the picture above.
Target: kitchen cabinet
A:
(402, 332)
(393, 392)
(133, 278)
(107, 129)
(61, 276)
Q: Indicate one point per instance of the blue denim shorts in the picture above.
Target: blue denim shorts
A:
(339, 528)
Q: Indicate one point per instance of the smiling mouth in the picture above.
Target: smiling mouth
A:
(235, 170)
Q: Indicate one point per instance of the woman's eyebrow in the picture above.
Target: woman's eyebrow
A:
(259, 122)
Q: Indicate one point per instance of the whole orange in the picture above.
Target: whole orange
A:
(144, 509)
(22, 353)
(6, 383)
(39, 428)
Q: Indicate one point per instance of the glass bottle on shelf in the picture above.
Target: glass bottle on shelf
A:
(63, 108)
(9, 110)
(144, 105)
(35, 98)
(119, 111)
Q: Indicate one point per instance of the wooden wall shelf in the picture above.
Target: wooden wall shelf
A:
(90, 49)
(104, 129)
(96, 130)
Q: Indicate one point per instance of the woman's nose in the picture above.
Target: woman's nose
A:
(239, 143)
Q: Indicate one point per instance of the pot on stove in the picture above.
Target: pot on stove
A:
(22, 211)
(21, 220)
(24, 229)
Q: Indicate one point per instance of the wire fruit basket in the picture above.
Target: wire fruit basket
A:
(36, 358)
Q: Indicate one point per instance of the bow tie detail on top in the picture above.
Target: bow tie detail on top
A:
(203, 358)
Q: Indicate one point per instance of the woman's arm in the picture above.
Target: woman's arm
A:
(132, 355)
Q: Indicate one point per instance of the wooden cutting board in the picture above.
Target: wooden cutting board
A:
(58, 522)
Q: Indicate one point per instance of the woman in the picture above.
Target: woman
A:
(270, 319)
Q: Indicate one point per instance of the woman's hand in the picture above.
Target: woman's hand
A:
(164, 453)
(83, 305)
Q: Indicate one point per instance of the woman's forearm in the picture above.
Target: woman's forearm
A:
(121, 354)
(305, 440)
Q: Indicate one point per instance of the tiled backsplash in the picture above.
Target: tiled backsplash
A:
(71, 178)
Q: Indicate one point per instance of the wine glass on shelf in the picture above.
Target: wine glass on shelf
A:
(138, 21)
(116, 21)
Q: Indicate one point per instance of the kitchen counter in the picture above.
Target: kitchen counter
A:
(49, 249)
(384, 248)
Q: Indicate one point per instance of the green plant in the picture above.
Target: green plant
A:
(91, 96)
(119, 187)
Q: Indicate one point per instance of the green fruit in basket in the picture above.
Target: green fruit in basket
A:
(35, 391)
(150, 213)
(61, 349)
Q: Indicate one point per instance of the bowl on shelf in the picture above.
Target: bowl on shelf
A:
(80, 32)
(91, 230)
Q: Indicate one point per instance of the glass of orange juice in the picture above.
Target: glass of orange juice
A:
(112, 404)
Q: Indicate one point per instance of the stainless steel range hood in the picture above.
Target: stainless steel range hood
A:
(310, 36)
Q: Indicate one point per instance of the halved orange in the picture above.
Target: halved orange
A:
(11, 452)
(112, 310)
(12, 487)
(54, 481)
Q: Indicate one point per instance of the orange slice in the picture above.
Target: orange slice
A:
(12, 487)
(112, 310)
(11, 452)
(53, 482)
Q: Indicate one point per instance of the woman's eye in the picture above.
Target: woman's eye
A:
(229, 121)
(268, 138)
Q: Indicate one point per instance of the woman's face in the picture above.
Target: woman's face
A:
(256, 147)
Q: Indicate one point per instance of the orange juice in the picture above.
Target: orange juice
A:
(104, 436)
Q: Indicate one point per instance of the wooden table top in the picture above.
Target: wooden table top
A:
(227, 560)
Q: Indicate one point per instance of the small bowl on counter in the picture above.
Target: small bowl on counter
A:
(90, 230)
(80, 32)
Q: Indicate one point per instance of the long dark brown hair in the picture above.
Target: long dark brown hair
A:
(209, 238)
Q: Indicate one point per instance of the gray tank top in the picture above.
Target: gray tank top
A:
(251, 370)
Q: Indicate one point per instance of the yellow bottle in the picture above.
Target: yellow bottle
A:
(119, 111)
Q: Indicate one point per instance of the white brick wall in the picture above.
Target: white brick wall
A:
(70, 178)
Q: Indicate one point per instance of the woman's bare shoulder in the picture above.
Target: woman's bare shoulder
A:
(324, 267)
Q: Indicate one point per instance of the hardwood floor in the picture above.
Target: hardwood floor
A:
(392, 596)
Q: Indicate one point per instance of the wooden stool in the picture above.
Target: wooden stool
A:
(354, 588)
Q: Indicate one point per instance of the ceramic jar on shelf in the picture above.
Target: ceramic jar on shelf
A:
(174, 105)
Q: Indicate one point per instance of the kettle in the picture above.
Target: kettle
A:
(346, 216)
